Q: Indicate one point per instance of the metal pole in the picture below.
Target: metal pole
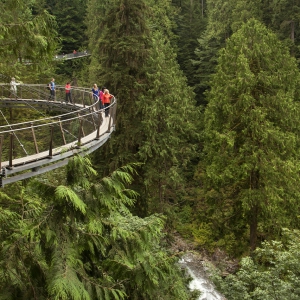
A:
(51, 141)
(62, 131)
(114, 113)
(1, 142)
(93, 119)
(100, 120)
(34, 139)
(11, 148)
(79, 133)
(83, 103)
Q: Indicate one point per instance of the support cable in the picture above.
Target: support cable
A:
(22, 146)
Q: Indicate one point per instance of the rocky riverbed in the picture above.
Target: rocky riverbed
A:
(195, 261)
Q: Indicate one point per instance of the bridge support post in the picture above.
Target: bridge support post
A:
(2, 170)
(51, 142)
(1, 143)
(2, 174)
(99, 124)
(114, 113)
(93, 119)
(79, 133)
(11, 149)
(62, 131)
(34, 139)
(111, 115)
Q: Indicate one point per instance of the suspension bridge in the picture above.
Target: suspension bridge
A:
(58, 131)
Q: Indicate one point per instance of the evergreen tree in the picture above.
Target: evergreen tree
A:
(70, 17)
(272, 272)
(223, 18)
(191, 22)
(73, 237)
(156, 111)
(283, 17)
(96, 12)
(251, 136)
(27, 33)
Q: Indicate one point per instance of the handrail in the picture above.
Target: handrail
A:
(86, 130)
(52, 123)
(59, 88)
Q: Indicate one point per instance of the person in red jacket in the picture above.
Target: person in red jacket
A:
(106, 96)
(68, 92)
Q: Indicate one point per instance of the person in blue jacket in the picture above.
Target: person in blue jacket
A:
(52, 89)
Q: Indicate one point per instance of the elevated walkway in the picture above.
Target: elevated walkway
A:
(47, 142)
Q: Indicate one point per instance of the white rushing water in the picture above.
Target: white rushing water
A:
(200, 280)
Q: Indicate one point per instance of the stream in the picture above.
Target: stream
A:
(200, 280)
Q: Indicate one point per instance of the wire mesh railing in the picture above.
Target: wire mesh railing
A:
(48, 134)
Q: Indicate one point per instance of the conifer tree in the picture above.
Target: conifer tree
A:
(26, 33)
(77, 240)
(191, 21)
(156, 113)
(223, 18)
(70, 17)
(271, 273)
(251, 136)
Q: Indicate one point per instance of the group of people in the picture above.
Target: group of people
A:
(104, 97)
(102, 94)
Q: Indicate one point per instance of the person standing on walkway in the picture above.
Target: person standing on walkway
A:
(95, 92)
(68, 93)
(13, 88)
(52, 89)
(100, 97)
(106, 101)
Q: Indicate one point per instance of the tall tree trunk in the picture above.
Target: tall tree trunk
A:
(253, 227)
(293, 31)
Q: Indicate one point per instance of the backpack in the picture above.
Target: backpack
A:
(48, 87)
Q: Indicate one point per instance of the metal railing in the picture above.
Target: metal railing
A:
(65, 129)
(72, 55)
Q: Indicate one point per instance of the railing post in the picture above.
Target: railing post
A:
(1, 142)
(100, 120)
(34, 139)
(93, 118)
(79, 133)
(62, 131)
(2, 171)
(11, 149)
(83, 103)
(114, 112)
(51, 141)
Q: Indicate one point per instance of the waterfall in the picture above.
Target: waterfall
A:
(200, 280)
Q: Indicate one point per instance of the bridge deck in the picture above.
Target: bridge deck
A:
(58, 150)
(84, 113)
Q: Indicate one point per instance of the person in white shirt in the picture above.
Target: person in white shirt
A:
(13, 88)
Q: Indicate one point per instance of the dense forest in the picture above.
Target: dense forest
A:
(207, 146)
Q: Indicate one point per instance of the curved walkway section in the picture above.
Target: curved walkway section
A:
(49, 140)
(72, 55)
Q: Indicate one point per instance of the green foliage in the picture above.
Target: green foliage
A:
(251, 135)
(223, 18)
(156, 113)
(78, 240)
(190, 23)
(70, 17)
(272, 272)
(26, 33)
